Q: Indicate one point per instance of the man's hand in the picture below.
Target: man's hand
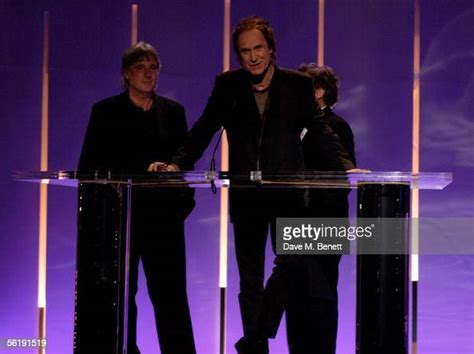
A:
(158, 166)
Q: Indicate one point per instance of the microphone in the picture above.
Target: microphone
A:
(212, 166)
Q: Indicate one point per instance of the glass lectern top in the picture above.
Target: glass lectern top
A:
(223, 179)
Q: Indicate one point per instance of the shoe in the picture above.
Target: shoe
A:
(252, 345)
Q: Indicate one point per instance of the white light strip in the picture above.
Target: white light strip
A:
(415, 195)
(43, 207)
(224, 200)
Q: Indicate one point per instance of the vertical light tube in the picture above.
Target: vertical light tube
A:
(321, 16)
(415, 196)
(134, 25)
(224, 162)
(43, 212)
(416, 130)
(224, 200)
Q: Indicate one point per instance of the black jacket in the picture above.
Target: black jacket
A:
(272, 144)
(123, 138)
(328, 202)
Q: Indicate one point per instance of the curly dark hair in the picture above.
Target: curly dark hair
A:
(323, 77)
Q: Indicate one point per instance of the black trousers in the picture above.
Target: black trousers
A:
(305, 287)
(250, 239)
(251, 226)
(157, 239)
(312, 306)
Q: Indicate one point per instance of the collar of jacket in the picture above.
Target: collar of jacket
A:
(125, 100)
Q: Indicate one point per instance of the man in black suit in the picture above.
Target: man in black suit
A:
(263, 109)
(326, 91)
(306, 286)
(125, 134)
(312, 319)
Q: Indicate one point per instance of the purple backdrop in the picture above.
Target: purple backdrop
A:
(369, 43)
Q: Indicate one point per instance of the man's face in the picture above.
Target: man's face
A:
(142, 76)
(255, 56)
(319, 96)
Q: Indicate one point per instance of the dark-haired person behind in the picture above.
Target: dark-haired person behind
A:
(125, 134)
(326, 203)
(320, 314)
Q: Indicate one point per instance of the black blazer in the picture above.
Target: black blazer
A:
(328, 202)
(271, 144)
(122, 138)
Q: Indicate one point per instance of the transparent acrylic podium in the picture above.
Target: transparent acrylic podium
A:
(101, 295)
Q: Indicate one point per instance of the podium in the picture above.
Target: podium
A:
(101, 295)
